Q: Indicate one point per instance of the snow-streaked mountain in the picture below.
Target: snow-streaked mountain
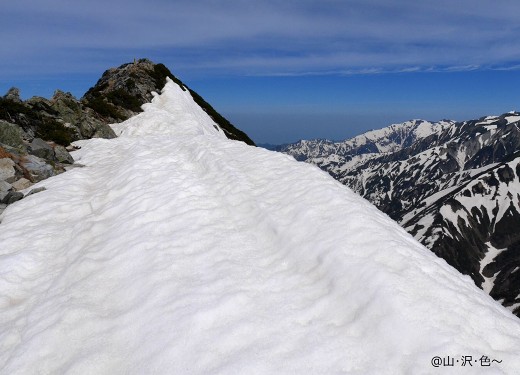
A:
(176, 250)
(337, 157)
(455, 189)
(476, 226)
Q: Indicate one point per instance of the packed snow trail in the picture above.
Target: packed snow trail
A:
(174, 250)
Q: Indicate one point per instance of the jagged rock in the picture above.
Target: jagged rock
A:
(67, 106)
(36, 117)
(121, 91)
(37, 168)
(14, 155)
(62, 155)
(83, 120)
(62, 119)
(42, 149)
(13, 94)
(7, 170)
(21, 184)
(11, 197)
(42, 106)
(12, 135)
(4, 189)
(10, 152)
(35, 191)
(5, 186)
(104, 131)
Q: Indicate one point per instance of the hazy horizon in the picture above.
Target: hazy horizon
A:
(282, 71)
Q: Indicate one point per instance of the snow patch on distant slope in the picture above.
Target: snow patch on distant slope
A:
(511, 119)
(491, 254)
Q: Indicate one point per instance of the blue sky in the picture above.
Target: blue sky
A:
(282, 70)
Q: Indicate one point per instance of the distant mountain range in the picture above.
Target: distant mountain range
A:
(455, 186)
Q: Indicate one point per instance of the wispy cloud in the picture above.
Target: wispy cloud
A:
(268, 37)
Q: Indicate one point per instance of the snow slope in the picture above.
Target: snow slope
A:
(175, 250)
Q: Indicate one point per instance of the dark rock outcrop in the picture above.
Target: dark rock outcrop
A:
(13, 94)
(12, 135)
(5, 188)
(84, 121)
(40, 148)
(7, 170)
(120, 92)
(62, 155)
(37, 167)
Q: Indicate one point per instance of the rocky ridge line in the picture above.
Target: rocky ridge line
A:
(36, 134)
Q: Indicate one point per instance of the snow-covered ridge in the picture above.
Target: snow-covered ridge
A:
(175, 250)
(389, 139)
(175, 103)
(396, 136)
(338, 157)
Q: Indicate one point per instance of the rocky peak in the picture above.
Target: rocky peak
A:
(120, 93)
(13, 94)
(60, 95)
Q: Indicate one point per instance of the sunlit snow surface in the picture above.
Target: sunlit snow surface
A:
(177, 251)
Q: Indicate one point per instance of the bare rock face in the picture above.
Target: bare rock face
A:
(12, 135)
(36, 118)
(5, 188)
(41, 149)
(21, 184)
(7, 171)
(62, 155)
(85, 121)
(38, 168)
(121, 91)
(13, 94)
